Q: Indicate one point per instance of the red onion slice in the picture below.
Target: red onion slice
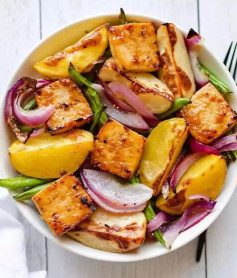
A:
(182, 167)
(116, 101)
(159, 220)
(226, 140)
(114, 191)
(124, 93)
(192, 215)
(194, 44)
(230, 147)
(42, 82)
(37, 132)
(198, 147)
(199, 196)
(130, 119)
(108, 207)
(9, 97)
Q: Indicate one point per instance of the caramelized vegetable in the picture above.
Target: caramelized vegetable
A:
(83, 55)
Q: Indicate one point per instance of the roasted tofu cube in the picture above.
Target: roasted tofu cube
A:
(71, 107)
(83, 55)
(117, 150)
(152, 92)
(175, 69)
(111, 232)
(134, 47)
(63, 204)
(209, 115)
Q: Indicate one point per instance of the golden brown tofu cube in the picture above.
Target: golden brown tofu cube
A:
(118, 150)
(71, 107)
(63, 204)
(209, 115)
(134, 47)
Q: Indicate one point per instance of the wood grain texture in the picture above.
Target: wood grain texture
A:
(218, 25)
(61, 263)
(19, 31)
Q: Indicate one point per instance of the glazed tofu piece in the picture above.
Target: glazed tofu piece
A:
(71, 107)
(152, 92)
(117, 150)
(111, 232)
(63, 204)
(134, 47)
(209, 115)
(175, 69)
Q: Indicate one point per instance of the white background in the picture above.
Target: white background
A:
(22, 24)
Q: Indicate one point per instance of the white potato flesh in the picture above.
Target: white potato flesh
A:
(155, 94)
(111, 232)
(175, 68)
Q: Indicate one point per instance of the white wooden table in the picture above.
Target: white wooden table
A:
(22, 24)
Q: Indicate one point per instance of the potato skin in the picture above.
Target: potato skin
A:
(71, 107)
(175, 69)
(206, 176)
(163, 146)
(134, 47)
(209, 115)
(111, 232)
(118, 150)
(83, 55)
(63, 204)
(47, 156)
(152, 92)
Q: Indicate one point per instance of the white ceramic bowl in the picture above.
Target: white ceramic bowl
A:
(57, 41)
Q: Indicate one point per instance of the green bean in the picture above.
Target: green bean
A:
(90, 94)
(220, 85)
(21, 182)
(30, 105)
(30, 193)
(178, 104)
(26, 128)
(150, 214)
(96, 119)
(144, 132)
(134, 179)
(122, 17)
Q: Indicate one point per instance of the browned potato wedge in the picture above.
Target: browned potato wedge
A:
(134, 47)
(111, 232)
(209, 115)
(83, 55)
(71, 107)
(175, 68)
(63, 204)
(117, 150)
(152, 92)
(163, 146)
(206, 177)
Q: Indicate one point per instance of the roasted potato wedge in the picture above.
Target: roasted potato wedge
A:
(163, 146)
(206, 176)
(134, 47)
(209, 115)
(63, 204)
(71, 107)
(83, 55)
(47, 156)
(175, 69)
(111, 232)
(118, 150)
(152, 92)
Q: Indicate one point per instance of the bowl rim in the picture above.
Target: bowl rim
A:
(113, 257)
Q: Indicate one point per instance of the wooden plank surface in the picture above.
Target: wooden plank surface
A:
(179, 264)
(218, 24)
(19, 31)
